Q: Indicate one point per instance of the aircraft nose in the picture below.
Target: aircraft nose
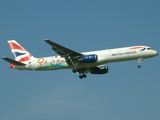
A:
(156, 53)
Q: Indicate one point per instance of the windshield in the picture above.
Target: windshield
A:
(149, 49)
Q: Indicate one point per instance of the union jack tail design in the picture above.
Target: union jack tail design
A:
(19, 52)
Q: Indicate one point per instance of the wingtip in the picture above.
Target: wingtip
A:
(46, 39)
(3, 57)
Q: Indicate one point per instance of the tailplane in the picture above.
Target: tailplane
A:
(13, 62)
(19, 52)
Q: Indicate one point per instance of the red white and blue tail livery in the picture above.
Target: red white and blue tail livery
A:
(82, 63)
(19, 52)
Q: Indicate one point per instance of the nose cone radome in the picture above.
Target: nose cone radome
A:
(156, 53)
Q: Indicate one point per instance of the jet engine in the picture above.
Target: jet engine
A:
(99, 70)
(89, 58)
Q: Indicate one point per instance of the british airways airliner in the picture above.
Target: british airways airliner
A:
(82, 63)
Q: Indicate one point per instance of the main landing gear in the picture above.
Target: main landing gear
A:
(80, 76)
(139, 62)
(74, 70)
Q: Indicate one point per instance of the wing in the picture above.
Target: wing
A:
(70, 55)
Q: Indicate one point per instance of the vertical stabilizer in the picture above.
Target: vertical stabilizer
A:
(19, 52)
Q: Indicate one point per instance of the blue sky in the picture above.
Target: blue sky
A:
(125, 93)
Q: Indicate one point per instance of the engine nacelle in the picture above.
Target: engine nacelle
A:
(99, 70)
(89, 58)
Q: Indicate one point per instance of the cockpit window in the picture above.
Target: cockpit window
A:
(149, 49)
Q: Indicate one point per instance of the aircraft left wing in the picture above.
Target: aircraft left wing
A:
(70, 55)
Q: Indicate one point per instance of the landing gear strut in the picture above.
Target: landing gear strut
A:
(139, 62)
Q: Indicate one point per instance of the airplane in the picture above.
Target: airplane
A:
(82, 63)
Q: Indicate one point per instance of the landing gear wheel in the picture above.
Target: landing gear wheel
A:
(84, 76)
(138, 66)
(74, 70)
(80, 76)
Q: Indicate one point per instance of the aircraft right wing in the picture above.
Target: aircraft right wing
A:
(70, 55)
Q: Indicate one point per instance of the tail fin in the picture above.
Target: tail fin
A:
(19, 52)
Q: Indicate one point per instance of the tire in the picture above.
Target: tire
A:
(84, 76)
(80, 76)
(74, 71)
(138, 66)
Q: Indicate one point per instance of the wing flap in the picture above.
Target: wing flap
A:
(12, 61)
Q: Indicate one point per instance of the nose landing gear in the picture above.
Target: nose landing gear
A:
(139, 62)
(138, 66)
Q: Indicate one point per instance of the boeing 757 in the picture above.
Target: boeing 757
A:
(82, 63)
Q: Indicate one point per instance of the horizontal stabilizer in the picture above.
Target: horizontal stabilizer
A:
(12, 61)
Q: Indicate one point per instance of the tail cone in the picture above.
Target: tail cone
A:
(11, 66)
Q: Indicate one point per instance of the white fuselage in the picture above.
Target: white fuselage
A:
(104, 56)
